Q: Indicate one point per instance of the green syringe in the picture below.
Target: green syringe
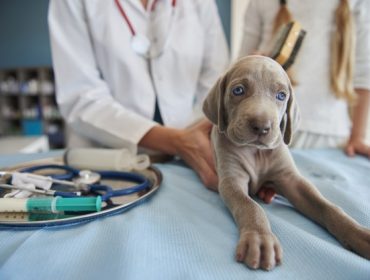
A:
(51, 204)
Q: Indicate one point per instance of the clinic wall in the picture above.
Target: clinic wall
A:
(24, 38)
(237, 10)
(224, 9)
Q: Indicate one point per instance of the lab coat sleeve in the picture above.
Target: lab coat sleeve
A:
(252, 29)
(83, 97)
(215, 54)
(362, 52)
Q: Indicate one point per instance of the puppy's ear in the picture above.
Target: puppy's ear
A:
(214, 107)
(290, 121)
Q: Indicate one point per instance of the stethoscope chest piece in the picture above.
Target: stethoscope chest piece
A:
(87, 177)
(140, 44)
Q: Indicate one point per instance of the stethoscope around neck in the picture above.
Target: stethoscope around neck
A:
(140, 43)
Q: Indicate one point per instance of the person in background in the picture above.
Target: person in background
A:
(135, 72)
(332, 69)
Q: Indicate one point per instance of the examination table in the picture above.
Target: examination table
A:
(184, 231)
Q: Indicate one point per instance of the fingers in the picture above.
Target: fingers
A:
(350, 150)
(197, 151)
(202, 162)
(357, 147)
(208, 176)
(206, 167)
(205, 159)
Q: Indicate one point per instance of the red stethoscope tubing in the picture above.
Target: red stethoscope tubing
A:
(127, 20)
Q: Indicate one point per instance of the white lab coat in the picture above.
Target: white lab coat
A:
(104, 89)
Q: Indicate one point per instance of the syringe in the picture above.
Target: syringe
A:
(51, 204)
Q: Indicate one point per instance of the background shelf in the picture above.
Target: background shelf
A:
(28, 106)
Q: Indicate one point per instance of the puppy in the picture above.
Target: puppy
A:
(252, 107)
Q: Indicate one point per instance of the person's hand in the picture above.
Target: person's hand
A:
(194, 147)
(192, 144)
(357, 146)
(360, 114)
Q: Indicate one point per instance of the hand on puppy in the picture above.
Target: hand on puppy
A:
(192, 144)
(194, 147)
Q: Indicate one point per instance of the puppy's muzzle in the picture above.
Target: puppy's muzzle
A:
(260, 127)
(255, 122)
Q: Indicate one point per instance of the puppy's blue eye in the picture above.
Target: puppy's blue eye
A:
(281, 96)
(239, 90)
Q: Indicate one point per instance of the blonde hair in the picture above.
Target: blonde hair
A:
(282, 17)
(342, 48)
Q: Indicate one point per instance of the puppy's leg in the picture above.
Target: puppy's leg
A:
(258, 247)
(307, 199)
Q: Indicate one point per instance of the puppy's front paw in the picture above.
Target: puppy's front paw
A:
(259, 250)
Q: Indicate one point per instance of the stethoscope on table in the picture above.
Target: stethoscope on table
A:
(140, 43)
(87, 194)
(88, 181)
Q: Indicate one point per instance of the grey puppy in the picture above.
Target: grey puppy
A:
(253, 109)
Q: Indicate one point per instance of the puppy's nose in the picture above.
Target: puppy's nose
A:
(260, 127)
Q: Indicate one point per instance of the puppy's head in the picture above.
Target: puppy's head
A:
(253, 103)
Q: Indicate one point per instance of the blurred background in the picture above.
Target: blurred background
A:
(29, 117)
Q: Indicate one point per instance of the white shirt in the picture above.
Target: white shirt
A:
(320, 111)
(105, 90)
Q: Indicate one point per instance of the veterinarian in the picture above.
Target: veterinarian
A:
(135, 72)
(332, 69)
